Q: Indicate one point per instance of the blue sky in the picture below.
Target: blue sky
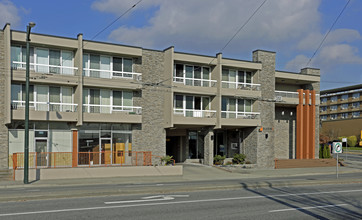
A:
(291, 28)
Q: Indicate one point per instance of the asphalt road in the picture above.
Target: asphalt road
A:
(341, 201)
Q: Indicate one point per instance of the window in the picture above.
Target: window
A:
(43, 60)
(323, 108)
(192, 106)
(334, 98)
(344, 106)
(355, 105)
(333, 107)
(324, 100)
(233, 107)
(333, 116)
(355, 114)
(192, 75)
(43, 98)
(100, 66)
(355, 95)
(344, 97)
(344, 115)
(107, 101)
(323, 117)
(236, 78)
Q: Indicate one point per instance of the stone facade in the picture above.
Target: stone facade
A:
(151, 135)
(4, 149)
(285, 132)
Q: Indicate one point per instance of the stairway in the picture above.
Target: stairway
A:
(303, 163)
(6, 175)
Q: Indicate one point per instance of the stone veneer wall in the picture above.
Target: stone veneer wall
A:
(285, 133)
(151, 135)
(4, 150)
(265, 139)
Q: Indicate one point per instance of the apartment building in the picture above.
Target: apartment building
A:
(90, 97)
(340, 111)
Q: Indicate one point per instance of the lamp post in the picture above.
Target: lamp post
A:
(26, 142)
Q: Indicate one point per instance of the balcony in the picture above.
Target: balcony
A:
(195, 113)
(240, 115)
(233, 118)
(109, 109)
(194, 117)
(45, 106)
(287, 97)
(44, 68)
(195, 82)
(239, 85)
(110, 74)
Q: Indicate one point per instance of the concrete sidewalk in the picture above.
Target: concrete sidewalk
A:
(195, 172)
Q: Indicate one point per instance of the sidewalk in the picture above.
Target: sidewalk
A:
(194, 173)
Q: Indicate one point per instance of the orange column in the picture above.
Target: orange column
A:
(299, 150)
(75, 149)
(312, 126)
(306, 126)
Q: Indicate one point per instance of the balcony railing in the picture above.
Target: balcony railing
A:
(45, 106)
(44, 68)
(239, 85)
(195, 82)
(195, 113)
(109, 74)
(109, 109)
(242, 115)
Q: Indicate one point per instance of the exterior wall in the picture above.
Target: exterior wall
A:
(151, 135)
(265, 139)
(209, 147)
(337, 128)
(285, 133)
(4, 150)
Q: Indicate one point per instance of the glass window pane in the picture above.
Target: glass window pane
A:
(94, 64)
(224, 104)
(241, 77)
(42, 58)
(42, 98)
(85, 64)
(16, 92)
(247, 105)
(197, 72)
(117, 98)
(67, 99)
(31, 93)
(232, 104)
(248, 77)
(117, 64)
(67, 61)
(189, 102)
(232, 75)
(205, 103)
(179, 101)
(127, 98)
(94, 96)
(127, 65)
(105, 100)
(225, 75)
(189, 70)
(179, 70)
(54, 59)
(16, 56)
(240, 105)
(105, 65)
(54, 94)
(206, 73)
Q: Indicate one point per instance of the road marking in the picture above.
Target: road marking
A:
(305, 208)
(176, 202)
(148, 199)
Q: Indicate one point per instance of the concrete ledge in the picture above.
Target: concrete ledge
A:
(99, 172)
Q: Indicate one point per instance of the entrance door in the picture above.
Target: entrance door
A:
(41, 146)
(106, 151)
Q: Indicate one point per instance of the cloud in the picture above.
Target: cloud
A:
(312, 41)
(207, 25)
(9, 13)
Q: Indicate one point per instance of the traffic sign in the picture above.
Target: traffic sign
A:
(344, 139)
(337, 147)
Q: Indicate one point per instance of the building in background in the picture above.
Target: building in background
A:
(95, 99)
(340, 112)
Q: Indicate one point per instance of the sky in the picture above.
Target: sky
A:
(292, 28)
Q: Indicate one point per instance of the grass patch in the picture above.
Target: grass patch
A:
(352, 148)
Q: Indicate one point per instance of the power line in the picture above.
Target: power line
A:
(325, 37)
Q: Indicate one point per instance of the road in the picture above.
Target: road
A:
(340, 201)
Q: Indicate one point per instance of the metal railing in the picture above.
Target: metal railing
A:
(45, 106)
(195, 113)
(195, 82)
(286, 94)
(242, 115)
(109, 109)
(44, 68)
(109, 74)
(240, 85)
(115, 158)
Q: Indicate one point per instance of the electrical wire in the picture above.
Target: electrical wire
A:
(325, 37)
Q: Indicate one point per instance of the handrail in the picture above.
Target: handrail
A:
(195, 113)
(243, 115)
(113, 74)
(240, 85)
(50, 106)
(33, 65)
(195, 81)
(96, 108)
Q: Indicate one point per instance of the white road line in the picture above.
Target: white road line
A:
(179, 202)
(305, 208)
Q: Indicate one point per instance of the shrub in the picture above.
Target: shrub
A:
(239, 158)
(229, 163)
(320, 151)
(351, 140)
(218, 159)
(324, 152)
(167, 160)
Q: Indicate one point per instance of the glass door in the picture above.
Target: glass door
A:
(41, 146)
(106, 149)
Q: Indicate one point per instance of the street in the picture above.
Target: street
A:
(340, 201)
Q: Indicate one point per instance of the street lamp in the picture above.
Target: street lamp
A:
(26, 142)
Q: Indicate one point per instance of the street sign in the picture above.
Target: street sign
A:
(344, 139)
(337, 147)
